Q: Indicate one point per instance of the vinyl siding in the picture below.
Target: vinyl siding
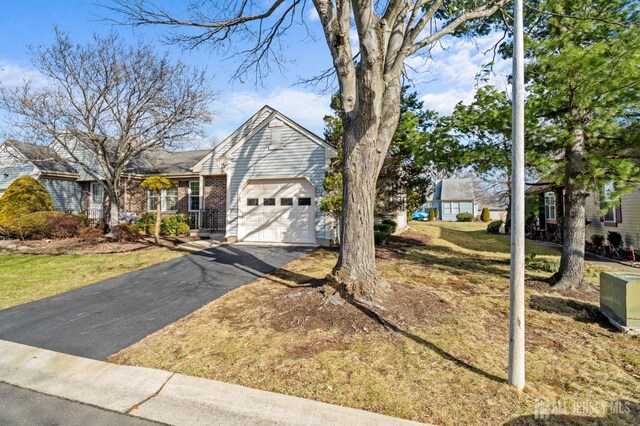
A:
(86, 157)
(300, 157)
(12, 167)
(65, 194)
(630, 225)
(211, 166)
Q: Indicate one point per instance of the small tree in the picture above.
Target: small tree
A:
(25, 195)
(432, 214)
(436, 212)
(485, 216)
(156, 184)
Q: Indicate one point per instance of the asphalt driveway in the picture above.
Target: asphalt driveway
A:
(101, 319)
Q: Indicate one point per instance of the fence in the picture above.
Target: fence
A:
(207, 219)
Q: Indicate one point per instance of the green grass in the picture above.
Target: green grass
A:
(24, 278)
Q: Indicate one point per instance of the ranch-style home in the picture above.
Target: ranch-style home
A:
(451, 197)
(624, 217)
(263, 183)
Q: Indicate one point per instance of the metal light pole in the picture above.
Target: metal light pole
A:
(516, 295)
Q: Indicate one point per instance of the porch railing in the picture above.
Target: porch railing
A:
(207, 219)
(95, 216)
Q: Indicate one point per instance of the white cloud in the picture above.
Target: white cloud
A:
(445, 102)
(312, 14)
(233, 109)
(13, 75)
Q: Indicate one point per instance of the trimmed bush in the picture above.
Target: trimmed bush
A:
(169, 225)
(436, 212)
(126, 232)
(380, 237)
(464, 217)
(494, 227)
(46, 225)
(432, 214)
(597, 240)
(392, 223)
(183, 229)
(25, 195)
(383, 227)
(615, 239)
(145, 220)
(485, 216)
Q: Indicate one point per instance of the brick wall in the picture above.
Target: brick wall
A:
(136, 200)
(215, 197)
(183, 196)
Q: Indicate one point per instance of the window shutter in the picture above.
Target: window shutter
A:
(619, 212)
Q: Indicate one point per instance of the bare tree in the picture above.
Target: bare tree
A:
(105, 103)
(369, 81)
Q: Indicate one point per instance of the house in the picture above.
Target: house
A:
(623, 218)
(453, 196)
(263, 183)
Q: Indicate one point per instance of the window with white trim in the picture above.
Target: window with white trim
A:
(446, 208)
(607, 192)
(455, 208)
(550, 206)
(194, 196)
(168, 200)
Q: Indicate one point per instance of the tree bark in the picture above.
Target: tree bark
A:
(571, 271)
(156, 231)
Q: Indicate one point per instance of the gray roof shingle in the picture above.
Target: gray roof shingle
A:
(455, 189)
(43, 157)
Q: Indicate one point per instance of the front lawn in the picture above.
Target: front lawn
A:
(446, 361)
(24, 278)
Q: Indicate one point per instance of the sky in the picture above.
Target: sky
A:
(441, 81)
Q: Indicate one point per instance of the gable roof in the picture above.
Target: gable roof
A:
(455, 189)
(43, 157)
(161, 162)
(252, 126)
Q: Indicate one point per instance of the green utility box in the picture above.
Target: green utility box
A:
(620, 299)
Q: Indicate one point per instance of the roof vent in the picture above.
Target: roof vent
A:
(275, 128)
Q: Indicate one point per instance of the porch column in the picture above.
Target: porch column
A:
(202, 199)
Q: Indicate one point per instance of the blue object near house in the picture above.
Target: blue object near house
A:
(451, 197)
(419, 216)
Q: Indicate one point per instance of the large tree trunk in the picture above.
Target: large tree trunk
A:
(114, 208)
(571, 272)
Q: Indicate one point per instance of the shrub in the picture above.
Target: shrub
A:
(84, 220)
(90, 234)
(485, 216)
(380, 237)
(432, 214)
(126, 232)
(464, 217)
(597, 240)
(494, 227)
(169, 225)
(383, 227)
(183, 229)
(436, 212)
(25, 195)
(614, 238)
(46, 225)
(151, 227)
(145, 220)
(64, 226)
(550, 266)
(392, 223)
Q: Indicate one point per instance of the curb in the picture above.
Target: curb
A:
(167, 397)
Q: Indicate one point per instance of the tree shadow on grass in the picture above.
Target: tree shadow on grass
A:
(578, 310)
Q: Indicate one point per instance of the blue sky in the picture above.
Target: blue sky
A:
(441, 82)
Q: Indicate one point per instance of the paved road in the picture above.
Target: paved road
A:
(104, 318)
(24, 407)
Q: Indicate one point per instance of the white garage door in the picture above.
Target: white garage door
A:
(278, 211)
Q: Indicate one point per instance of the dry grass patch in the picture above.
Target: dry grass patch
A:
(447, 362)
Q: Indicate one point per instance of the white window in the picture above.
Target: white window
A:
(97, 195)
(446, 207)
(607, 192)
(550, 206)
(194, 196)
(168, 200)
(455, 208)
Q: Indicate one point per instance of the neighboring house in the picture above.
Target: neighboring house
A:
(262, 183)
(453, 196)
(623, 218)
(495, 212)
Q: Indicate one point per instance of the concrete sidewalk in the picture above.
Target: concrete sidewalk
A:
(166, 397)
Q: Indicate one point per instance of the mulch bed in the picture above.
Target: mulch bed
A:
(100, 246)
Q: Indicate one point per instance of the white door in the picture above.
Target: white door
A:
(96, 201)
(278, 211)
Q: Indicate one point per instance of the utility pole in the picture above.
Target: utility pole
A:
(516, 290)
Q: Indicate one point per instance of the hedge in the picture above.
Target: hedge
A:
(464, 217)
(494, 227)
(25, 195)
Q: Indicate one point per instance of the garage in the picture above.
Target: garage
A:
(281, 210)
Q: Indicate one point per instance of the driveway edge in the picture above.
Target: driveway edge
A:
(166, 397)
